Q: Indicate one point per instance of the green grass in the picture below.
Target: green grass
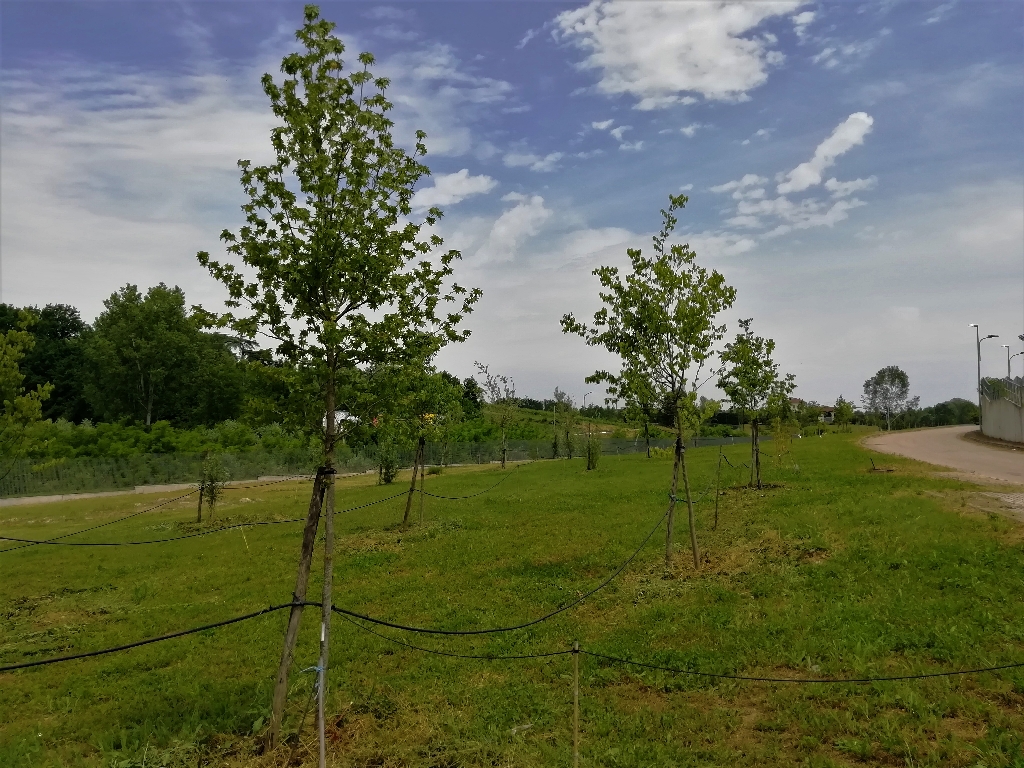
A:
(835, 572)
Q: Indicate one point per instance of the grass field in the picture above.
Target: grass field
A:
(836, 571)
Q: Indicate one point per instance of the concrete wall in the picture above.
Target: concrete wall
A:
(1002, 419)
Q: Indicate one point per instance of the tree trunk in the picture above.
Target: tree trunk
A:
(647, 437)
(199, 513)
(299, 596)
(149, 404)
(753, 451)
(672, 501)
(423, 474)
(328, 594)
(412, 484)
(757, 450)
(718, 477)
(504, 447)
(689, 506)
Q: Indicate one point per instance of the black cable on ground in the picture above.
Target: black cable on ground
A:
(188, 535)
(449, 654)
(171, 636)
(56, 539)
(822, 680)
(478, 493)
(524, 625)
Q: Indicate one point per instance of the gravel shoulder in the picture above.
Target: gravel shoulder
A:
(947, 447)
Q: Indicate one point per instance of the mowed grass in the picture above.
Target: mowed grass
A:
(837, 571)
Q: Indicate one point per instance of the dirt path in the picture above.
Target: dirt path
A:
(946, 447)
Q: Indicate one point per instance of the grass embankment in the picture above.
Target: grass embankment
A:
(838, 572)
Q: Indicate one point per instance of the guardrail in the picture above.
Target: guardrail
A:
(1005, 389)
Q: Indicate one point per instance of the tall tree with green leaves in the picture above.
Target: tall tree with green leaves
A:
(888, 393)
(843, 413)
(21, 408)
(329, 264)
(661, 322)
(752, 382)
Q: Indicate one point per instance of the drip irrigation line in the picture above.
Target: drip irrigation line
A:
(436, 652)
(56, 539)
(524, 625)
(147, 641)
(823, 680)
(478, 493)
(197, 534)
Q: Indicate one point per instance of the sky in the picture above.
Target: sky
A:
(853, 169)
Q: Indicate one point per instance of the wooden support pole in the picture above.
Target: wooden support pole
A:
(295, 616)
(412, 485)
(718, 477)
(576, 704)
(423, 474)
(328, 602)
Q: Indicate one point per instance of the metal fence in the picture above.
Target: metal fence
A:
(83, 475)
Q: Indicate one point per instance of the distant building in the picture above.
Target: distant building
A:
(828, 414)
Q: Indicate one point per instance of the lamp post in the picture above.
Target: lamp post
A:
(1007, 348)
(1008, 362)
(590, 428)
(978, 340)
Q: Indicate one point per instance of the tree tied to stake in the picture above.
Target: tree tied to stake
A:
(332, 268)
(660, 321)
(751, 381)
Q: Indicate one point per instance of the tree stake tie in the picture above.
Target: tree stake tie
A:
(575, 704)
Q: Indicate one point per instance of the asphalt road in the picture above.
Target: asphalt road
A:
(946, 447)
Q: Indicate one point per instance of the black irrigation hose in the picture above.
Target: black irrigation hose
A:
(478, 493)
(188, 535)
(147, 641)
(824, 680)
(33, 543)
(372, 631)
(524, 625)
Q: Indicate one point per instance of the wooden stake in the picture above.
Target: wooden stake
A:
(672, 502)
(295, 616)
(576, 704)
(423, 463)
(412, 486)
(328, 601)
(718, 476)
(689, 508)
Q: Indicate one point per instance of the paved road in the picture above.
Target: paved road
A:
(946, 447)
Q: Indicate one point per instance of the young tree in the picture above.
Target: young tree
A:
(329, 264)
(751, 381)
(565, 413)
(639, 400)
(21, 408)
(843, 414)
(888, 393)
(500, 392)
(660, 321)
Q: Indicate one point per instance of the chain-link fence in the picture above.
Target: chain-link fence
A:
(83, 475)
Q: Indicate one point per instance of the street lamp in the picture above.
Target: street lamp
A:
(979, 339)
(1018, 354)
(1007, 348)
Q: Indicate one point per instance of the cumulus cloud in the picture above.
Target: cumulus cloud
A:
(847, 134)
(801, 21)
(689, 131)
(452, 188)
(602, 125)
(617, 132)
(749, 180)
(514, 226)
(631, 146)
(847, 188)
(656, 52)
(541, 164)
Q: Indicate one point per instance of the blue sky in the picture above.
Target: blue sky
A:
(854, 169)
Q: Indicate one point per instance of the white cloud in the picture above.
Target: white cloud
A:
(389, 13)
(530, 34)
(658, 51)
(617, 132)
(541, 164)
(602, 125)
(750, 180)
(686, 187)
(940, 12)
(689, 131)
(848, 55)
(514, 227)
(452, 188)
(847, 188)
(801, 21)
(631, 146)
(847, 134)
